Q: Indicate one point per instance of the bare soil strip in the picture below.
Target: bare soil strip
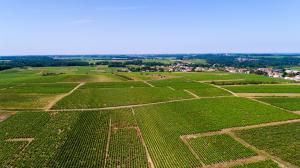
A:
(236, 162)
(268, 94)
(281, 162)
(4, 117)
(148, 84)
(28, 140)
(228, 130)
(171, 88)
(150, 162)
(192, 150)
(265, 103)
(107, 144)
(59, 97)
(191, 93)
(234, 94)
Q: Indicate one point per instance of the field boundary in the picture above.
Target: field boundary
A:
(229, 91)
(262, 155)
(139, 133)
(107, 144)
(149, 84)
(60, 97)
(268, 94)
(191, 93)
(28, 140)
(137, 105)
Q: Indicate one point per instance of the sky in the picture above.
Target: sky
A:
(42, 27)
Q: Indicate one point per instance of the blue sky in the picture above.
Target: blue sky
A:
(148, 26)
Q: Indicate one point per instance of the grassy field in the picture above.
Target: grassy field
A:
(264, 88)
(163, 125)
(129, 84)
(109, 97)
(281, 141)
(289, 103)
(219, 148)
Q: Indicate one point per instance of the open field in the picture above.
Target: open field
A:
(90, 117)
(281, 141)
(289, 103)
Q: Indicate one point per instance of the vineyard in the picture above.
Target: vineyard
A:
(94, 117)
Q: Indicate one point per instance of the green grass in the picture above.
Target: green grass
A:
(264, 88)
(95, 98)
(281, 141)
(200, 89)
(219, 148)
(289, 103)
(162, 125)
(261, 164)
(126, 149)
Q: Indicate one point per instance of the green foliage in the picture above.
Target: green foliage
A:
(289, 103)
(162, 125)
(219, 148)
(200, 89)
(95, 98)
(281, 141)
(86, 143)
(9, 149)
(122, 118)
(129, 84)
(261, 164)
(265, 88)
(126, 149)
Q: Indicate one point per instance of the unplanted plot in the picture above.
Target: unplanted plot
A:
(219, 148)
(96, 98)
(281, 141)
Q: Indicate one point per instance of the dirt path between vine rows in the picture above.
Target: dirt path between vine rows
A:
(149, 159)
(147, 83)
(268, 94)
(60, 97)
(231, 163)
(28, 140)
(191, 93)
(108, 142)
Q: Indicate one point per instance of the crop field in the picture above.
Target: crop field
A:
(264, 88)
(97, 116)
(289, 103)
(261, 164)
(163, 125)
(281, 141)
(200, 89)
(109, 97)
(219, 148)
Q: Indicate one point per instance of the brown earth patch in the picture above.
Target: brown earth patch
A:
(268, 94)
